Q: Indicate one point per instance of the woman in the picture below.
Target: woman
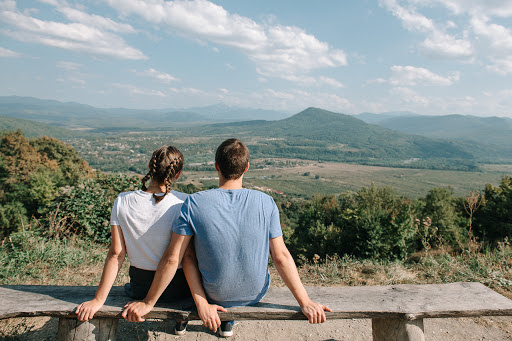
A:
(141, 226)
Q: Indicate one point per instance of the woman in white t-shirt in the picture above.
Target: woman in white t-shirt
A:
(141, 226)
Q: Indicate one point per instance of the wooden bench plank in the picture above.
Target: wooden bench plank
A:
(404, 301)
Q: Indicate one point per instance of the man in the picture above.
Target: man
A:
(234, 229)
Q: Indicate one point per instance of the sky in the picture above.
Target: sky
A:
(432, 57)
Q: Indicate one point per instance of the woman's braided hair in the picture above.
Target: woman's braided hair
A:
(165, 164)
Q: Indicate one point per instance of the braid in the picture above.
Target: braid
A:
(144, 179)
(164, 166)
(151, 173)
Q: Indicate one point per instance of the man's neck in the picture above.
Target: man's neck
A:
(230, 184)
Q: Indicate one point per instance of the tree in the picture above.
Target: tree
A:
(493, 221)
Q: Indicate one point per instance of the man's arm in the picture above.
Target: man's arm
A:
(285, 265)
(134, 311)
(207, 312)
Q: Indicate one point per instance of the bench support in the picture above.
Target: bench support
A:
(397, 330)
(98, 329)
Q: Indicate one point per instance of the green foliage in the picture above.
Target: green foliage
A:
(493, 221)
(86, 207)
(13, 215)
(371, 223)
(446, 220)
(31, 170)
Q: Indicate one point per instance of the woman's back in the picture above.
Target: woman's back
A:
(146, 225)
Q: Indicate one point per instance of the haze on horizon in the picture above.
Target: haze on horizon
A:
(428, 57)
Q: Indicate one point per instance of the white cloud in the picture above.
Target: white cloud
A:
(277, 50)
(7, 5)
(72, 80)
(497, 41)
(438, 42)
(72, 36)
(443, 45)
(377, 81)
(501, 66)
(160, 76)
(498, 8)
(8, 53)
(411, 76)
(134, 90)
(95, 20)
(330, 81)
(187, 91)
(498, 36)
(313, 81)
(69, 66)
(409, 96)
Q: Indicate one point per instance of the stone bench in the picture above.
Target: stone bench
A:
(397, 311)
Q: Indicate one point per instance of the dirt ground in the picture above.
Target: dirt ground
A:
(463, 329)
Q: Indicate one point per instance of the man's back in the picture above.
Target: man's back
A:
(231, 231)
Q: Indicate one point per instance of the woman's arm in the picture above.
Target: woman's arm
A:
(207, 312)
(114, 261)
(135, 311)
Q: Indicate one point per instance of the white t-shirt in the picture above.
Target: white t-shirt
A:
(146, 226)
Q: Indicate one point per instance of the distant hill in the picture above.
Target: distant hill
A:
(35, 129)
(320, 134)
(490, 136)
(372, 118)
(77, 115)
(222, 112)
(484, 129)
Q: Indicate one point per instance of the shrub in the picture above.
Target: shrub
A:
(86, 207)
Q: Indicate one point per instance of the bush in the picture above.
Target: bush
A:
(86, 207)
(493, 221)
(371, 223)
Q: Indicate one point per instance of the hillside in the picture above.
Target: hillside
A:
(36, 129)
(319, 134)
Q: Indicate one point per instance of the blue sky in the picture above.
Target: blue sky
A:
(427, 56)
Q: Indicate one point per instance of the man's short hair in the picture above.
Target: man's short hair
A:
(232, 157)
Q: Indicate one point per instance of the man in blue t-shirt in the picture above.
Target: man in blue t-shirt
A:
(234, 229)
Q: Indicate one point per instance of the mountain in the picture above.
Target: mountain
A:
(75, 115)
(222, 112)
(490, 138)
(36, 129)
(372, 118)
(494, 130)
(320, 134)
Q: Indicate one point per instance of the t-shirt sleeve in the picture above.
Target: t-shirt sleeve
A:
(275, 223)
(182, 224)
(113, 216)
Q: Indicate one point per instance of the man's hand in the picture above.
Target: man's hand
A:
(86, 310)
(315, 312)
(135, 311)
(209, 316)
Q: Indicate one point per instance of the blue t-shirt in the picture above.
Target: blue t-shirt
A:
(231, 231)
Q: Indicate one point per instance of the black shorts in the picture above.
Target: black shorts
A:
(140, 282)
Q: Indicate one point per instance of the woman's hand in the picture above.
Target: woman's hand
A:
(86, 310)
(210, 317)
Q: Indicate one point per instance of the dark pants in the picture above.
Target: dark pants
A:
(140, 282)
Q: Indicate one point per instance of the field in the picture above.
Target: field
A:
(306, 178)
